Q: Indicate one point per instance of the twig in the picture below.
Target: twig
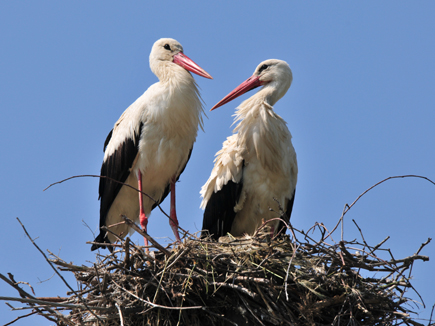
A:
(288, 271)
(24, 294)
(348, 207)
(154, 305)
(431, 314)
(245, 277)
(423, 245)
(121, 318)
(175, 260)
(133, 225)
(116, 181)
(101, 177)
(219, 316)
(249, 309)
(253, 295)
(61, 277)
(43, 303)
(23, 316)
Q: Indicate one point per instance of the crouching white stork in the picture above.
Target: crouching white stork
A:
(255, 172)
(150, 144)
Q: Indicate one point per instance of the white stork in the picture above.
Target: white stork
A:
(255, 173)
(150, 144)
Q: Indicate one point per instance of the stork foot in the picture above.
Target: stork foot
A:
(143, 223)
(173, 222)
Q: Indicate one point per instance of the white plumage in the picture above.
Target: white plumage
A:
(255, 173)
(151, 142)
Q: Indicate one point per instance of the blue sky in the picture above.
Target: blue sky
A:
(361, 109)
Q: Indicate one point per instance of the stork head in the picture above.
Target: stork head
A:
(274, 75)
(169, 50)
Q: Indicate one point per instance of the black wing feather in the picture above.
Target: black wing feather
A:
(108, 138)
(117, 167)
(282, 227)
(219, 213)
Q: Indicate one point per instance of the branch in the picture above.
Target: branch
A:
(348, 207)
(49, 262)
(24, 294)
(53, 303)
(154, 305)
(122, 183)
(133, 225)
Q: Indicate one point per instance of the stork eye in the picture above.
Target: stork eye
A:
(167, 47)
(263, 67)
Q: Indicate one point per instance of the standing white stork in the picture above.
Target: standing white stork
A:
(150, 144)
(255, 173)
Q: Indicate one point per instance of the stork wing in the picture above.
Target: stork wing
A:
(282, 227)
(115, 167)
(219, 213)
(221, 192)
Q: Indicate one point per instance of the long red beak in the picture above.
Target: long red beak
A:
(184, 61)
(249, 84)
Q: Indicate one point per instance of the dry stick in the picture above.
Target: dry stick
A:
(113, 245)
(412, 265)
(235, 278)
(431, 314)
(122, 183)
(13, 283)
(175, 260)
(43, 303)
(26, 283)
(154, 305)
(23, 316)
(287, 222)
(49, 262)
(185, 288)
(160, 281)
(269, 308)
(218, 316)
(24, 294)
(133, 225)
(103, 177)
(253, 295)
(322, 240)
(121, 318)
(288, 270)
(53, 299)
(362, 235)
(380, 244)
(127, 253)
(67, 266)
(249, 309)
(106, 228)
(423, 245)
(348, 207)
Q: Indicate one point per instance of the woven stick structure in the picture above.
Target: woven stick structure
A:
(290, 280)
(298, 279)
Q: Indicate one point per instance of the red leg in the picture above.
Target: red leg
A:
(142, 217)
(173, 221)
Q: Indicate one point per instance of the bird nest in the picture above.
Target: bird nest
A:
(289, 280)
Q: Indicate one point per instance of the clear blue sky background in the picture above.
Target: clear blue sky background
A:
(361, 108)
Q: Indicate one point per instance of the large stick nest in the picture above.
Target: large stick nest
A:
(290, 280)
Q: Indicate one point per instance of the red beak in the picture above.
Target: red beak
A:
(184, 61)
(249, 84)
